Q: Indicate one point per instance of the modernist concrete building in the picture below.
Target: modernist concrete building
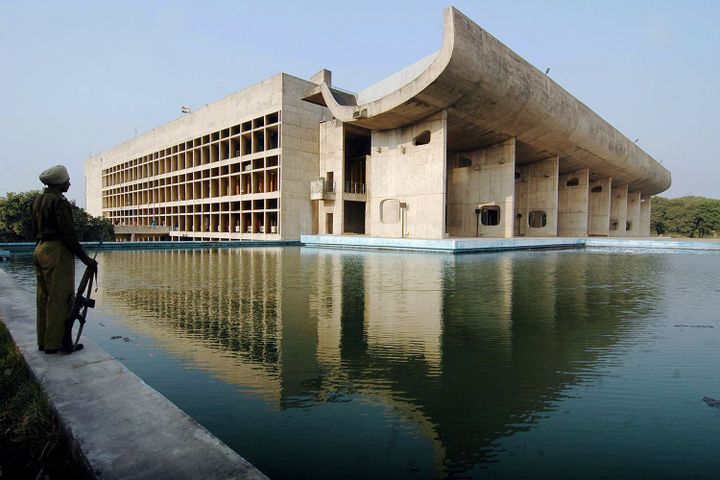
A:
(471, 141)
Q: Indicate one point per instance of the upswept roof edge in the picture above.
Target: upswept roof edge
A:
(492, 87)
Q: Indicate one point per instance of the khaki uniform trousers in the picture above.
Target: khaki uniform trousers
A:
(55, 272)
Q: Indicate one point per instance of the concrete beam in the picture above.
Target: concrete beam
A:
(573, 203)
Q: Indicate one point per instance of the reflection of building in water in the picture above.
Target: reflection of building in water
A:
(468, 348)
(217, 307)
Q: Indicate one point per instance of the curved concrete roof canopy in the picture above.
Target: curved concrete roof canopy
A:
(491, 94)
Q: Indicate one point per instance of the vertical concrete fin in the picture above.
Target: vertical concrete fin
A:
(573, 203)
(599, 207)
(618, 210)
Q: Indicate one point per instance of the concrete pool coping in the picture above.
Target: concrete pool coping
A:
(118, 427)
(446, 245)
(477, 245)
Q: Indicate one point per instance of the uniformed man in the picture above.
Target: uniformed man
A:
(56, 243)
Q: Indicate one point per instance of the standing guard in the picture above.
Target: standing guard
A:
(56, 243)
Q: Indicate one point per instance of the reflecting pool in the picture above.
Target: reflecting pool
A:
(317, 363)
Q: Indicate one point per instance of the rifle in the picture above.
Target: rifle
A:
(80, 305)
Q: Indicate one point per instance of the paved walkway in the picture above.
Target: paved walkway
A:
(119, 427)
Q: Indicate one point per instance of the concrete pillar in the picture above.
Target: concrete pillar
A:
(599, 207)
(573, 199)
(332, 165)
(481, 179)
(407, 180)
(536, 198)
(632, 223)
(618, 210)
(645, 208)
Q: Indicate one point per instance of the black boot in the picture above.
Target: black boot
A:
(70, 349)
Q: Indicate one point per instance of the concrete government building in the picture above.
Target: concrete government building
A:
(471, 141)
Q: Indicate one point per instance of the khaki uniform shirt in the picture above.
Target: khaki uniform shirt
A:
(53, 220)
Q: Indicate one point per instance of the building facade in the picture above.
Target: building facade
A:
(471, 141)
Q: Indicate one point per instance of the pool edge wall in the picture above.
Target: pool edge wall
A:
(117, 426)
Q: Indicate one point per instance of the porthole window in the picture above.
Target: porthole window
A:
(490, 215)
(573, 182)
(537, 219)
(596, 189)
(422, 139)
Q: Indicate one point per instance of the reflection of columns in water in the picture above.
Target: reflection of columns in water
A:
(202, 305)
(300, 372)
(353, 342)
(404, 297)
(326, 298)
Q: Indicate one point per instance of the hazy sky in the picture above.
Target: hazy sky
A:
(80, 77)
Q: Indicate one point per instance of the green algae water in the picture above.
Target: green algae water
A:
(317, 363)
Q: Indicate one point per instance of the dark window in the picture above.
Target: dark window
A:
(490, 215)
(628, 226)
(596, 189)
(517, 175)
(537, 219)
(574, 182)
(464, 162)
(423, 138)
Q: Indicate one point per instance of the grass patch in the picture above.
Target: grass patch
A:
(32, 445)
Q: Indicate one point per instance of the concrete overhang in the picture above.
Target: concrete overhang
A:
(491, 94)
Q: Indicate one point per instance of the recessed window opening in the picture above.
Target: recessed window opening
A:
(573, 182)
(596, 189)
(628, 226)
(490, 215)
(613, 224)
(537, 219)
(464, 162)
(517, 175)
(422, 139)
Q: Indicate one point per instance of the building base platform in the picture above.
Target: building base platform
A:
(474, 245)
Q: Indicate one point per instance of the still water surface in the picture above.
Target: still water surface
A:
(334, 364)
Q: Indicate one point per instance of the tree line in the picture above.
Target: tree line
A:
(694, 217)
(16, 220)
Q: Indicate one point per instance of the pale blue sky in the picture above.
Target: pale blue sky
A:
(79, 77)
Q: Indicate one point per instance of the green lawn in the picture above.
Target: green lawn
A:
(32, 445)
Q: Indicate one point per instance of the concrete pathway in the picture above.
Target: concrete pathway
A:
(119, 427)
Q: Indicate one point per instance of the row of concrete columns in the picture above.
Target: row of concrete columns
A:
(535, 200)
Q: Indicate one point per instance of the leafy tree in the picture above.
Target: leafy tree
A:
(16, 220)
(694, 217)
(15, 217)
